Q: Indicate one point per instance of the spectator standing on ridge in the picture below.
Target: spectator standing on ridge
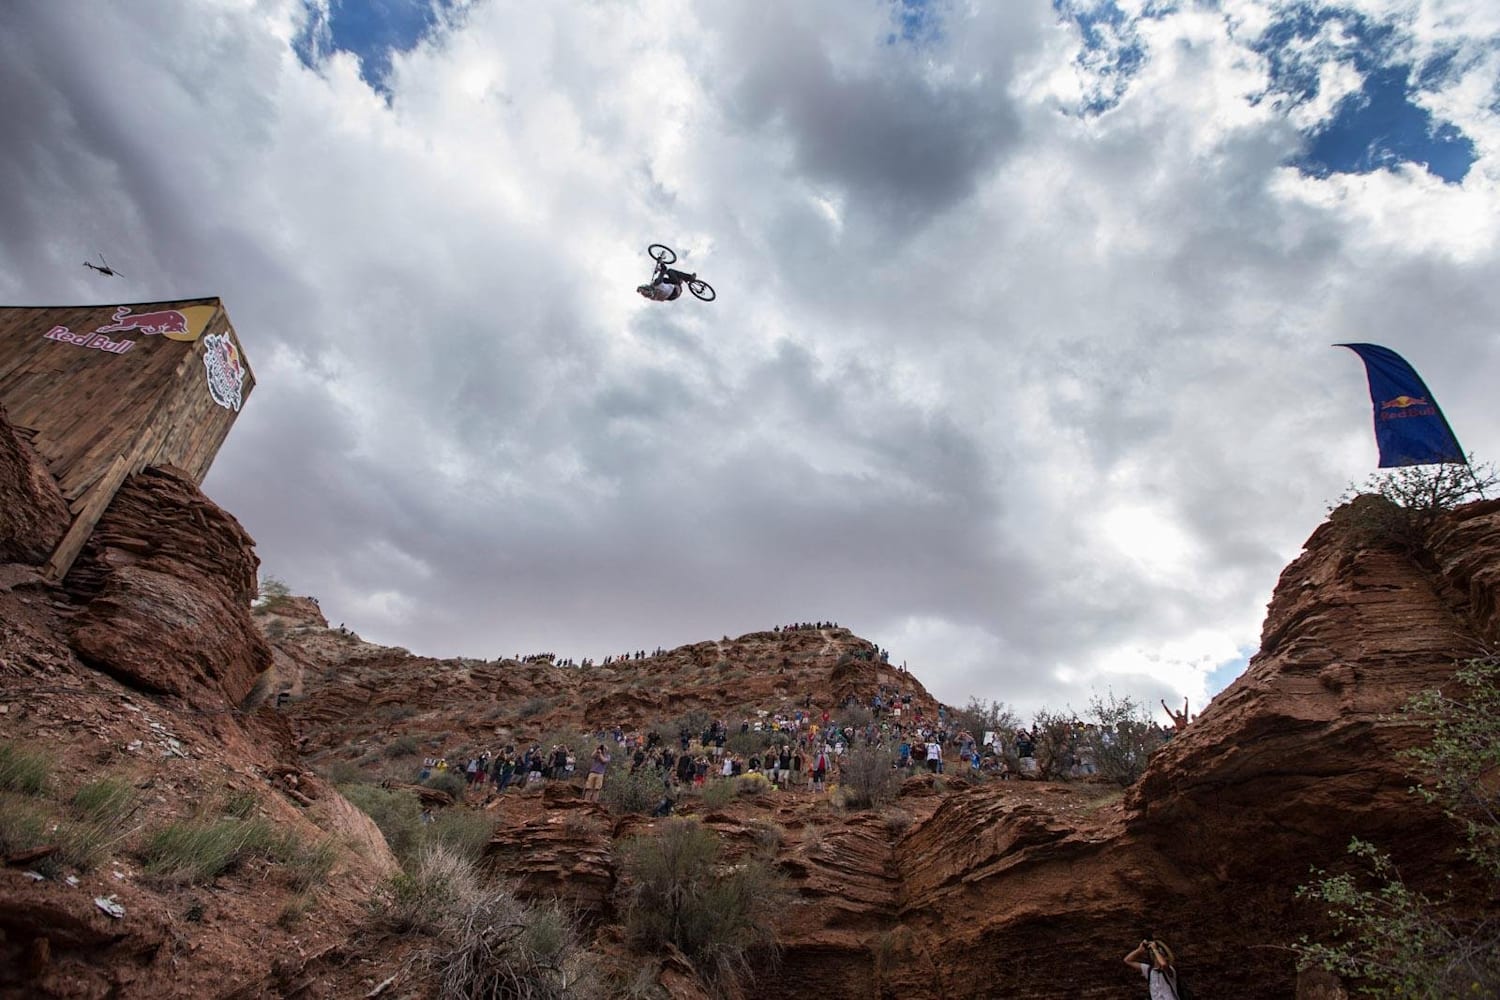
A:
(1179, 721)
(594, 783)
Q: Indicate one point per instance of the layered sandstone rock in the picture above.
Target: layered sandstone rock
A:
(166, 582)
(33, 514)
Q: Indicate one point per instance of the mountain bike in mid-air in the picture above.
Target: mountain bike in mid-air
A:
(666, 283)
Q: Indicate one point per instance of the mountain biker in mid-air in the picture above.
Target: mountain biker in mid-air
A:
(665, 285)
(666, 282)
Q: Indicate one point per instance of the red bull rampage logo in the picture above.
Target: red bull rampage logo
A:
(226, 372)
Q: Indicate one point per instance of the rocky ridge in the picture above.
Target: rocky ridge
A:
(147, 663)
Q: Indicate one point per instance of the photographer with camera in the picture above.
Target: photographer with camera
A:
(1161, 977)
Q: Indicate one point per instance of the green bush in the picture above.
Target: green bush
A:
(240, 803)
(100, 809)
(631, 793)
(680, 896)
(766, 836)
(22, 770)
(397, 814)
(402, 746)
(195, 851)
(22, 825)
(438, 884)
(719, 792)
(750, 785)
(465, 832)
(532, 707)
(308, 865)
(745, 744)
(341, 772)
(453, 782)
(868, 777)
(486, 942)
(273, 593)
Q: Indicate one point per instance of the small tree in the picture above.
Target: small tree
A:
(995, 717)
(1122, 738)
(1054, 746)
(273, 593)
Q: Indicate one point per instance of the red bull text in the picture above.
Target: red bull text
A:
(96, 340)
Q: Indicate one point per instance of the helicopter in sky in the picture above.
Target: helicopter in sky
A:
(103, 267)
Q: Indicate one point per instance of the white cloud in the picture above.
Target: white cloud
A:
(1042, 403)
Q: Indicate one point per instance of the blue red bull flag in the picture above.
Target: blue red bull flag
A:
(1409, 427)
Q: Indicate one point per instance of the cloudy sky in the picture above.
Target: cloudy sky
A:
(1020, 361)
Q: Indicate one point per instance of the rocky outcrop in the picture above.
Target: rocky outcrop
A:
(33, 514)
(167, 580)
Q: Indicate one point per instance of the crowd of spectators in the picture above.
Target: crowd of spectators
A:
(802, 748)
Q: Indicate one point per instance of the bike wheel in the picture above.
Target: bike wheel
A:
(702, 289)
(662, 253)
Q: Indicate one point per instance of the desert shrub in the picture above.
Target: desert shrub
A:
(100, 809)
(696, 721)
(402, 746)
(896, 821)
(868, 777)
(581, 742)
(397, 814)
(22, 770)
(194, 851)
(812, 839)
(240, 803)
(502, 947)
(294, 911)
(979, 718)
(438, 884)
(1398, 507)
(766, 836)
(23, 826)
(680, 896)
(273, 593)
(1054, 745)
(1123, 739)
(463, 831)
(857, 716)
(582, 826)
(532, 707)
(487, 943)
(308, 865)
(751, 785)
(718, 793)
(631, 793)
(745, 744)
(1396, 940)
(451, 781)
(641, 983)
(341, 772)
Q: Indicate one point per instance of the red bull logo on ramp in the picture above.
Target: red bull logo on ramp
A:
(226, 372)
(184, 324)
